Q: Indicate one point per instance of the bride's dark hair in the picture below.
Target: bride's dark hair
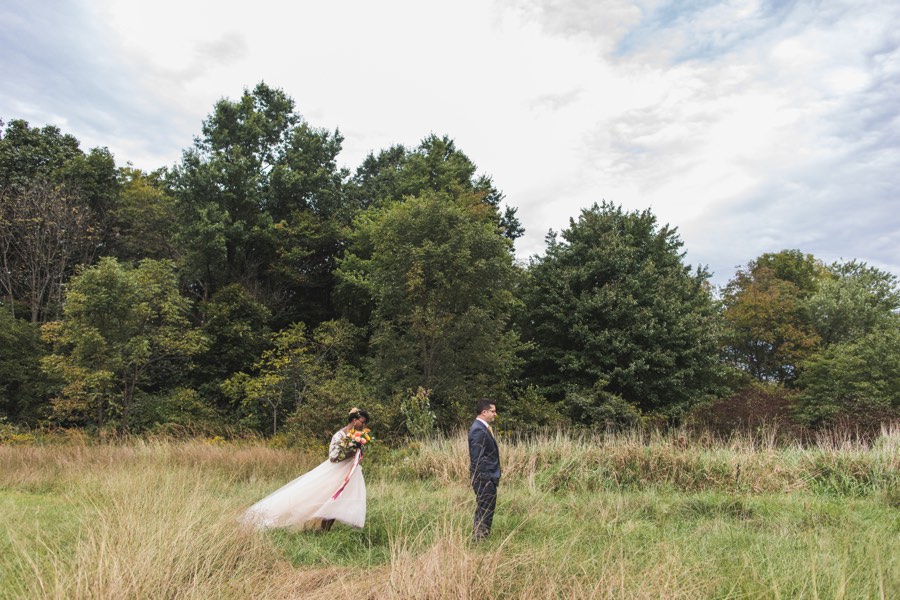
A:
(357, 413)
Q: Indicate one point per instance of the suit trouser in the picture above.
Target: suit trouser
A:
(485, 502)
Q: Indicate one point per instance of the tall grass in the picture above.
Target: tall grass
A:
(140, 521)
(637, 460)
(609, 516)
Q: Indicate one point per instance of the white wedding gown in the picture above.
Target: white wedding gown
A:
(305, 500)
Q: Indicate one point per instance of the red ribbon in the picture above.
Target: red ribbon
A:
(350, 474)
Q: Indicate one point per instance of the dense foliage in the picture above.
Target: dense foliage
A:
(618, 325)
(257, 285)
(828, 331)
(121, 345)
(439, 277)
(768, 329)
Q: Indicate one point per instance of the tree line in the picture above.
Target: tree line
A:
(255, 285)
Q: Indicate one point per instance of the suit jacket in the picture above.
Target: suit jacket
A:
(484, 455)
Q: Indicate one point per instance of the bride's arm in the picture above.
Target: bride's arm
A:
(334, 451)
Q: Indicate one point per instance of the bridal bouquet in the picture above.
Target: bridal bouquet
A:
(354, 440)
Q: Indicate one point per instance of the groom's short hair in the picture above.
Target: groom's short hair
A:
(484, 404)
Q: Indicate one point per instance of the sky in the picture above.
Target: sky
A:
(750, 126)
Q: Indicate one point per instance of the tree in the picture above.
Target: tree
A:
(44, 233)
(435, 165)
(439, 276)
(297, 375)
(95, 177)
(803, 270)
(124, 334)
(857, 378)
(45, 157)
(23, 390)
(767, 329)
(258, 168)
(29, 155)
(143, 222)
(854, 300)
(613, 316)
(380, 177)
(827, 331)
(236, 327)
(308, 248)
(55, 202)
(855, 372)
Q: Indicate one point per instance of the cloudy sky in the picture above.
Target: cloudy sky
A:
(752, 126)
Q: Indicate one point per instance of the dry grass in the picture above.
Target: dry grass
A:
(151, 521)
(631, 516)
(638, 460)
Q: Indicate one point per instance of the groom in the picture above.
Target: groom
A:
(484, 467)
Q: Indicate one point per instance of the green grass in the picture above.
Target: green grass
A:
(719, 545)
(717, 521)
(27, 518)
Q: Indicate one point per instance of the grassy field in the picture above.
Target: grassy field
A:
(629, 516)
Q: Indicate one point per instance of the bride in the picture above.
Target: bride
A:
(335, 490)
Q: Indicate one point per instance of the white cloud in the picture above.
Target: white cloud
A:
(753, 126)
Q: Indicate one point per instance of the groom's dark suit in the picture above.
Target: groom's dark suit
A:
(484, 472)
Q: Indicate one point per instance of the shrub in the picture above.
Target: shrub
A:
(417, 413)
(857, 381)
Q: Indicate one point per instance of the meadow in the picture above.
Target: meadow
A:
(634, 515)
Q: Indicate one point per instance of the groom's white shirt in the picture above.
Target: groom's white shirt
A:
(486, 425)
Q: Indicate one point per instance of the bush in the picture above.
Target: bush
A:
(599, 407)
(756, 406)
(856, 381)
(528, 411)
(10, 435)
(417, 413)
(180, 409)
